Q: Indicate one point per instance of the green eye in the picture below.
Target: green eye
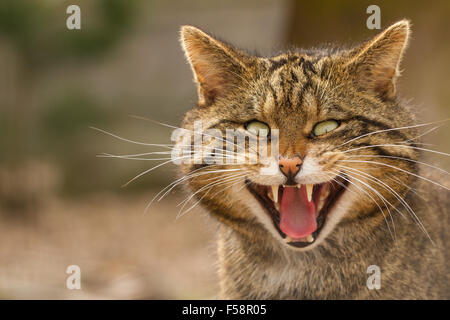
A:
(257, 128)
(324, 127)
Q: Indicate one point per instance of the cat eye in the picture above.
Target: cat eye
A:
(324, 127)
(257, 128)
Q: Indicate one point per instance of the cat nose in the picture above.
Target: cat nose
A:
(290, 166)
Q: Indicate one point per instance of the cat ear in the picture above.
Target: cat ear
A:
(217, 67)
(376, 63)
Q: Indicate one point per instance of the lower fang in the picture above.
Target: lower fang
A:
(269, 194)
(309, 238)
(320, 205)
(324, 194)
(287, 239)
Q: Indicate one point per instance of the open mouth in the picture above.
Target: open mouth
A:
(298, 212)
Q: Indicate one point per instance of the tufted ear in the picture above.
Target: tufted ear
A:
(218, 68)
(375, 64)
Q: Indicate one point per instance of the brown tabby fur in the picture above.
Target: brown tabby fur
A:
(293, 92)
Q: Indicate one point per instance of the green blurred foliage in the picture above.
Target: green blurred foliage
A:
(70, 114)
(55, 126)
(37, 28)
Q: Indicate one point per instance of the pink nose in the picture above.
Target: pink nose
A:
(290, 166)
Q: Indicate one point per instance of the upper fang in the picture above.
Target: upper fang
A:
(309, 191)
(275, 193)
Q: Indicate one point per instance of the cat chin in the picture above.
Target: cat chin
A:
(326, 196)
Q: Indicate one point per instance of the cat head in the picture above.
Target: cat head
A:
(339, 156)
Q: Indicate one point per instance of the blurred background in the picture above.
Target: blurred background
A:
(61, 205)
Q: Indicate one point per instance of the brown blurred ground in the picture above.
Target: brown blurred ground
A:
(122, 253)
(61, 205)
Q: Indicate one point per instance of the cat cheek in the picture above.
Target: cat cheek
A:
(330, 159)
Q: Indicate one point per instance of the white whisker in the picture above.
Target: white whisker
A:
(399, 158)
(167, 189)
(151, 169)
(394, 167)
(131, 141)
(387, 187)
(397, 146)
(392, 129)
(376, 202)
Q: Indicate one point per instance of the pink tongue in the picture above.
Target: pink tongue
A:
(298, 215)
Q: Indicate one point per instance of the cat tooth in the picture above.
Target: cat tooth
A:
(269, 194)
(275, 193)
(309, 190)
(277, 206)
(320, 204)
(309, 238)
(299, 186)
(287, 239)
(324, 194)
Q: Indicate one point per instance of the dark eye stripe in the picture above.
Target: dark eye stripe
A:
(231, 123)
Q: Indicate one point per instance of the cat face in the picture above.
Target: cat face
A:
(337, 158)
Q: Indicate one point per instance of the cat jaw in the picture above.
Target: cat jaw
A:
(334, 216)
(331, 200)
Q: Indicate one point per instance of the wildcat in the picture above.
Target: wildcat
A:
(349, 191)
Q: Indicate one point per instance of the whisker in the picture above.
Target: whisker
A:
(106, 155)
(376, 202)
(404, 203)
(400, 158)
(398, 146)
(167, 189)
(231, 183)
(392, 129)
(218, 179)
(385, 202)
(208, 187)
(423, 134)
(377, 181)
(406, 186)
(193, 131)
(131, 141)
(394, 167)
(418, 143)
(151, 169)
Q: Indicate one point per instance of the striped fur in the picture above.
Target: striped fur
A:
(292, 92)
